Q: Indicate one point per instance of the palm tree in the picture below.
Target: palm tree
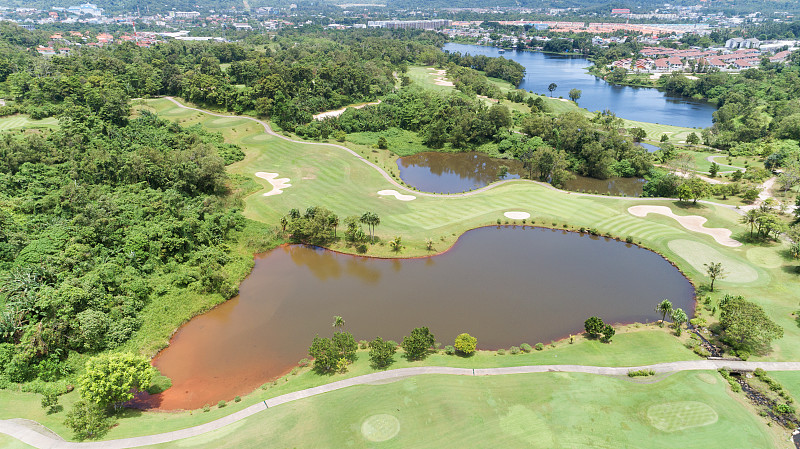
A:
(714, 271)
(338, 322)
(333, 221)
(371, 219)
(751, 218)
(396, 244)
(678, 317)
(664, 308)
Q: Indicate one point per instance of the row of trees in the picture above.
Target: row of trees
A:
(336, 353)
(317, 226)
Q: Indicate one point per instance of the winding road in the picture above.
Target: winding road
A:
(25, 430)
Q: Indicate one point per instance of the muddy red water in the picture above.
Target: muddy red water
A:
(505, 286)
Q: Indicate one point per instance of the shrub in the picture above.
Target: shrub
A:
(784, 409)
(206, 408)
(539, 347)
(514, 350)
(303, 363)
(701, 351)
(449, 350)
(501, 352)
(525, 347)
(641, 373)
(466, 343)
(221, 404)
(362, 344)
(237, 399)
(629, 239)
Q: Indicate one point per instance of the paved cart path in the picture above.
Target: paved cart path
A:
(34, 438)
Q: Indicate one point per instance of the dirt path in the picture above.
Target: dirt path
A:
(28, 435)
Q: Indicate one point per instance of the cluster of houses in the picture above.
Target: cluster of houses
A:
(62, 43)
(660, 59)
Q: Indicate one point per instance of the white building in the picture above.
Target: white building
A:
(86, 9)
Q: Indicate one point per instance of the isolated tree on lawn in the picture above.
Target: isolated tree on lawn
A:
(665, 309)
(715, 271)
(552, 87)
(608, 333)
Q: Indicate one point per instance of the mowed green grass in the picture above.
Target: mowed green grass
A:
(550, 410)
(328, 176)
(23, 121)
(632, 346)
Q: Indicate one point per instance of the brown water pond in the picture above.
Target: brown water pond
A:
(506, 286)
(461, 172)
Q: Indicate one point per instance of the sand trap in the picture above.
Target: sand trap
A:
(278, 184)
(690, 222)
(440, 81)
(517, 215)
(397, 195)
(338, 112)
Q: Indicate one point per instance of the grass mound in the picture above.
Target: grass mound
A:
(381, 427)
(675, 416)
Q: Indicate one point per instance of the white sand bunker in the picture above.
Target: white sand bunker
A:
(397, 195)
(517, 215)
(690, 222)
(278, 184)
(441, 81)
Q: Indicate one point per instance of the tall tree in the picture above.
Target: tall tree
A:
(574, 94)
(552, 87)
(715, 271)
(665, 309)
(678, 319)
(338, 322)
(751, 218)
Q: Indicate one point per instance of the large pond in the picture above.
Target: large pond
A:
(568, 72)
(460, 172)
(506, 286)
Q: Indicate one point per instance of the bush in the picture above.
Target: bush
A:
(501, 352)
(362, 344)
(466, 343)
(206, 408)
(628, 239)
(237, 399)
(784, 409)
(641, 373)
(525, 347)
(303, 363)
(514, 350)
(539, 347)
(221, 404)
(449, 350)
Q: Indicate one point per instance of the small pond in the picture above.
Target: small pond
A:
(506, 286)
(441, 172)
